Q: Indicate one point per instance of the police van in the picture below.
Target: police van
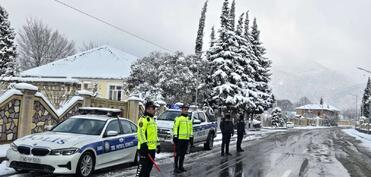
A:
(204, 128)
(96, 139)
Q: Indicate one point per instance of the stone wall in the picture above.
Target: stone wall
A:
(23, 111)
(9, 114)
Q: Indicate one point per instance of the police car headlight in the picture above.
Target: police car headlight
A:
(66, 151)
(13, 147)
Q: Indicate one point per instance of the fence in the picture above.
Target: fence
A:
(24, 110)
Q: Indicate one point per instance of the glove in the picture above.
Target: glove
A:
(191, 140)
(143, 149)
(175, 140)
(158, 149)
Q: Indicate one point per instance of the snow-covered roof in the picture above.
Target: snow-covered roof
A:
(103, 62)
(318, 107)
(25, 86)
(40, 79)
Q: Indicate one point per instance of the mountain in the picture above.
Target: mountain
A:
(295, 80)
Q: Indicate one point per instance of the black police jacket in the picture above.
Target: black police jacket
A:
(226, 127)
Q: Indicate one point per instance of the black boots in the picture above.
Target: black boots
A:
(180, 168)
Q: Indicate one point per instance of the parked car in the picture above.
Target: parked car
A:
(79, 145)
(290, 125)
(204, 130)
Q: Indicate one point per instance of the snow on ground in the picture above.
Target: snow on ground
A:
(250, 135)
(311, 127)
(3, 149)
(365, 138)
(5, 170)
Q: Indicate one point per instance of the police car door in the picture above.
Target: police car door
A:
(204, 125)
(112, 145)
(130, 139)
(197, 129)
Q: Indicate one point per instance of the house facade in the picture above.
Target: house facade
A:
(101, 70)
(322, 114)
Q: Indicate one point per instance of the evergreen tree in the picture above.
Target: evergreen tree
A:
(246, 71)
(262, 71)
(7, 46)
(276, 116)
(247, 27)
(200, 32)
(232, 15)
(366, 100)
(223, 82)
(212, 36)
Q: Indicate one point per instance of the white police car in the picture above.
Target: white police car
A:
(79, 145)
(204, 129)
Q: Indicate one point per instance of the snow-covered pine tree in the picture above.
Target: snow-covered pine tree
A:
(212, 36)
(247, 27)
(232, 16)
(8, 66)
(276, 117)
(200, 32)
(262, 71)
(223, 82)
(245, 70)
(366, 100)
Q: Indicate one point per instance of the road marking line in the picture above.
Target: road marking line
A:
(287, 173)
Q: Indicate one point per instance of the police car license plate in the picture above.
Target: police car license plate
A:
(30, 159)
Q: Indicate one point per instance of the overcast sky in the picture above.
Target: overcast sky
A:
(335, 33)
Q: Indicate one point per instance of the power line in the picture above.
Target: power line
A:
(112, 25)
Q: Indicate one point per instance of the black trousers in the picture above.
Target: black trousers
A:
(145, 164)
(225, 143)
(239, 140)
(181, 149)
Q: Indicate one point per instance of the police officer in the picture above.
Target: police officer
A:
(183, 134)
(147, 140)
(226, 126)
(240, 132)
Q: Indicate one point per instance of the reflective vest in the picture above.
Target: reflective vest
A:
(183, 128)
(147, 132)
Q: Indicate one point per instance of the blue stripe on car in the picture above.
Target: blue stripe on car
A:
(106, 146)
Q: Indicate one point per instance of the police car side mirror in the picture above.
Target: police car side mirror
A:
(196, 121)
(112, 133)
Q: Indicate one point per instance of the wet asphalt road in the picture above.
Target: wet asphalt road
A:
(300, 153)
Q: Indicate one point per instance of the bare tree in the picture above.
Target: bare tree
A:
(39, 45)
(88, 46)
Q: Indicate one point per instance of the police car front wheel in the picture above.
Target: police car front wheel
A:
(85, 166)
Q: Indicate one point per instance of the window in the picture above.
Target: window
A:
(201, 117)
(115, 92)
(80, 126)
(126, 127)
(133, 127)
(86, 86)
(113, 126)
(195, 116)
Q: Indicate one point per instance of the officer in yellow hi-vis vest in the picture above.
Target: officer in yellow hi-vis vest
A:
(183, 133)
(147, 140)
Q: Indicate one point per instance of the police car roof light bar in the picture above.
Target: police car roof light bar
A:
(100, 111)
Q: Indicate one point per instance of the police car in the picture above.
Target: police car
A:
(204, 129)
(79, 145)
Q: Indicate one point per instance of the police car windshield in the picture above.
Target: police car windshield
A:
(170, 115)
(81, 126)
